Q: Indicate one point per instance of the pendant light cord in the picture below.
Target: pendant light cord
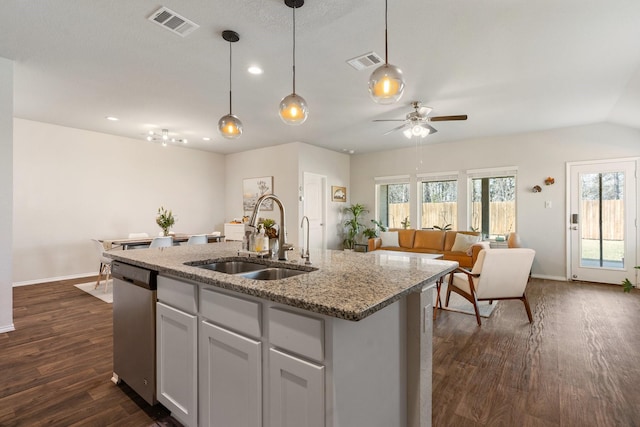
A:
(386, 44)
(230, 111)
(294, 48)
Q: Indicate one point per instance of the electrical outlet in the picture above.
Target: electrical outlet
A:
(547, 204)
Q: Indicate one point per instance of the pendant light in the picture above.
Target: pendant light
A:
(230, 125)
(293, 108)
(386, 84)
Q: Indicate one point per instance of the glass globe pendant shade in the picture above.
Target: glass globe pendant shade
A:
(293, 109)
(230, 126)
(386, 84)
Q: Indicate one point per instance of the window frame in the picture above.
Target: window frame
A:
(436, 177)
(501, 172)
(389, 180)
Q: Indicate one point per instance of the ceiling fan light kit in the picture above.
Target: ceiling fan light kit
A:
(230, 125)
(416, 123)
(386, 84)
(293, 108)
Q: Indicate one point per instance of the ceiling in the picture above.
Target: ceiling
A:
(512, 65)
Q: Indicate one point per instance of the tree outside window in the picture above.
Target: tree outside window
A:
(439, 206)
(393, 204)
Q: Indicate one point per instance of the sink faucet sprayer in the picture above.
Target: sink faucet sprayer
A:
(283, 246)
(306, 257)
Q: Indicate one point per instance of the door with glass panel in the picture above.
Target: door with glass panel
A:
(602, 221)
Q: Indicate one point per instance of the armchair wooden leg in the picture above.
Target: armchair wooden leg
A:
(526, 306)
(475, 307)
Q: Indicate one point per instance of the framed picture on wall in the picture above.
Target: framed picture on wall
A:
(338, 194)
(253, 189)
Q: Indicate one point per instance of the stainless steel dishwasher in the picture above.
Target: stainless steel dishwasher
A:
(134, 328)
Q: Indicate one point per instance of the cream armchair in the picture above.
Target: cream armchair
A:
(497, 274)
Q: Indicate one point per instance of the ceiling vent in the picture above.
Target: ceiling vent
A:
(365, 61)
(173, 22)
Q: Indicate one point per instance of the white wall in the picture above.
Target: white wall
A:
(537, 155)
(336, 167)
(6, 194)
(72, 185)
(287, 164)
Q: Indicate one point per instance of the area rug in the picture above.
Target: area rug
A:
(98, 293)
(461, 305)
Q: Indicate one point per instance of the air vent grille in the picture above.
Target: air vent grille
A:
(365, 61)
(173, 22)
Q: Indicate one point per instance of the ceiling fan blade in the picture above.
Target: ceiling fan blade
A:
(394, 129)
(389, 120)
(432, 130)
(447, 118)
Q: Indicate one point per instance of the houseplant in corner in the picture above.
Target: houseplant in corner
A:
(626, 283)
(353, 224)
(165, 220)
(371, 232)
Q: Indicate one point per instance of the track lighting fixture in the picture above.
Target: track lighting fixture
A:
(164, 138)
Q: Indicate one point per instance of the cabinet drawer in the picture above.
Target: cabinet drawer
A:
(231, 312)
(177, 294)
(299, 334)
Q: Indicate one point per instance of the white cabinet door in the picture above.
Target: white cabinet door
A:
(230, 378)
(177, 377)
(296, 389)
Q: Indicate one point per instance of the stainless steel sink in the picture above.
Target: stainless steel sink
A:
(251, 270)
(233, 267)
(273, 274)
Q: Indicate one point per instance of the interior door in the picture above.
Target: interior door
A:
(602, 221)
(314, 207)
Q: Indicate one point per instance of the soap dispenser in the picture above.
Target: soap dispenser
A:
(260, 239)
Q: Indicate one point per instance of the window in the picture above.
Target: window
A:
(392, 195)
(439, 201)
(493, 202)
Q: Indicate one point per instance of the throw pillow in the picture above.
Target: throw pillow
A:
(389, 239)
(464, 242)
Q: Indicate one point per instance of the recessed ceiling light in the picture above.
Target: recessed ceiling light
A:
(346, 150)
(113, 119)
(206, 138)
(254, 69)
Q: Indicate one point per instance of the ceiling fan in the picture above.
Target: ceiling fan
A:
(416, 122)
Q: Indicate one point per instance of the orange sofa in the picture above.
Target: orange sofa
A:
(433, 242)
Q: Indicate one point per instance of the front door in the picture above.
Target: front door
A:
(602, 221)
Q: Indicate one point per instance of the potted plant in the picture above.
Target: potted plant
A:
(353, 224)
(626, 284)
(406, 223)
(371, 232)
(270, 228)
(165, 220)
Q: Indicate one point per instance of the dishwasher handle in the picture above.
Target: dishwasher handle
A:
(137, 276)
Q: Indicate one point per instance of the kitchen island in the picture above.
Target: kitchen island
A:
(347, 343)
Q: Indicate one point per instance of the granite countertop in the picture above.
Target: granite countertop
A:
(346, 285)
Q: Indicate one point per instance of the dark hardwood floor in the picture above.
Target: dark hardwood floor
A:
(55, 368)
(578, 364)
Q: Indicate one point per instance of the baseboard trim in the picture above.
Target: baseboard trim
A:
(7, 328)
(53, 279)
(545, 277)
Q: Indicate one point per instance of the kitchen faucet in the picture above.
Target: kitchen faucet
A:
(306, 257)
(283, 246)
